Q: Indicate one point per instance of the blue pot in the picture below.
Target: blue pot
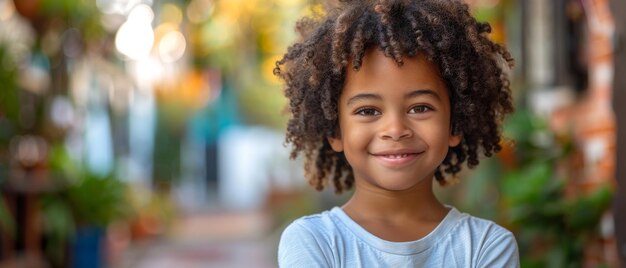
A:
(87, 251)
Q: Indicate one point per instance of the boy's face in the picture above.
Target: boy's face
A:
(394, 122)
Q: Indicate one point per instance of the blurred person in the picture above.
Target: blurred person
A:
(388, 96)
(619, 96)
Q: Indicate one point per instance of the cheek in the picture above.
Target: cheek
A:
(438, 133)
(354, 133)
(356, 136)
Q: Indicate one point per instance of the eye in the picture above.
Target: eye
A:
(418, 109)
(367, 112)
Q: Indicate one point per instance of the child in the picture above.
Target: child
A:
(387, 96)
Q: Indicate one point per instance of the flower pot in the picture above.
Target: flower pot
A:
(87, 249)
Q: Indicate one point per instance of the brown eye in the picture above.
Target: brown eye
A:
(367, 112)
(420, 109)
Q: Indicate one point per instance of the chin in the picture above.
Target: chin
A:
(397, 186)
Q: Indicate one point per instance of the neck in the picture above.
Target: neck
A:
(416, 203)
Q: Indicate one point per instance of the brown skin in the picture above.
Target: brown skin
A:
(394, 129)
(314, 70)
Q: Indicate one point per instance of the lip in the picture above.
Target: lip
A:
(397, 158)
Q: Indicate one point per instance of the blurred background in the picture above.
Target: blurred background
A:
(147, 133)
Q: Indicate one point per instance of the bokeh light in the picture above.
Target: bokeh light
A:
(135, 37)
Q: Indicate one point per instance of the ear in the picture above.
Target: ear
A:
(455, 139)
(336, 143)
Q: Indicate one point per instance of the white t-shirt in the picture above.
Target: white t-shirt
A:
(333, 239)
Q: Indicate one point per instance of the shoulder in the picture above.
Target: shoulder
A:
(484, 228)
(492, 244)
(307, 241)
(315, 226)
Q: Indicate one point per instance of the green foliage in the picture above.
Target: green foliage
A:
(63, 7)
(7, 223)
(92, 200)
(532, 193)
(81, 199)
(83, 15)
(9, 111)
(534, 141)
(551, 227)
(59, 226)
(9, 102)
(523, 192)
(97, 201)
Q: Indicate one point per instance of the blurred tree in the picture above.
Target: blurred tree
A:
(244, 39)
(9, 111)
(525, 189)
(63, 31)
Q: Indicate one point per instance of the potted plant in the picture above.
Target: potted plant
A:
(552, 225)
(524, 189)
(77, 213)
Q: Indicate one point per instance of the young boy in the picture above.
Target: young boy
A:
(387, 96)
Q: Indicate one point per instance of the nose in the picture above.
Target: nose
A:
(396, 128)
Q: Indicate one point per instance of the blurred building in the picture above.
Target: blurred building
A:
(568, 69)
(618, 8)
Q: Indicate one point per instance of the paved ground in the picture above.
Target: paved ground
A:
(242, 239)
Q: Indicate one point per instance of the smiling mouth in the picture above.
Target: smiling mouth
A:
(396, 156)
(396, 160)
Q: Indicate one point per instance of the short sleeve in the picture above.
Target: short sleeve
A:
(500, 252)
(299, 247)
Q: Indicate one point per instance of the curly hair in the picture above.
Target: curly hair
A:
(472, 66)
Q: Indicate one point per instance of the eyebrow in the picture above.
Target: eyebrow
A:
(412, 94)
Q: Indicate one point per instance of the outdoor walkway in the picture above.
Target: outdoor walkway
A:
(242, 239)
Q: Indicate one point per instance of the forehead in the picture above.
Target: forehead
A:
(381, 72)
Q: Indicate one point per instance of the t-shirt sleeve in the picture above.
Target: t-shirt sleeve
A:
(299, 247)
(500, 252)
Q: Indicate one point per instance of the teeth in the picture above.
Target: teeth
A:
(396, 156)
